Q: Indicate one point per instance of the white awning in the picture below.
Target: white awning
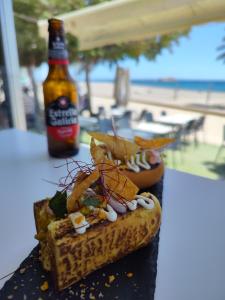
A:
(131, 20)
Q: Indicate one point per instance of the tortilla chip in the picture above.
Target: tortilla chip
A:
(116, 183)
(120, 148)
(83, 182)
(97, 152)
(153, 144)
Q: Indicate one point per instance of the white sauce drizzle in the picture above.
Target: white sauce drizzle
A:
(144, 159)
(145, 202)
(132, 165)
(142, 163)
(79, 227)
(132, 205)
(117, 161)
(109, 155)
(111, 214)
(137, 161)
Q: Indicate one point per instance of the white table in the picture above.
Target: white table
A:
(88, 122)
(24, 165)
(153, 128)
(177, 119)
(129, 133)
(191, 261)
(118, 111)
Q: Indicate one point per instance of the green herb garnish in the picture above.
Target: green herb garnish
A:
(58, 204)
(91, 201)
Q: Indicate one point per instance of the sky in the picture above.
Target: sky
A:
(194, 58)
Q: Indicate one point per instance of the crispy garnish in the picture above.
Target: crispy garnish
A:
(130, 274)
(112, 179)
(157, 143)
(97, 152)
(44, 286)
(79, 188)
(116, 183)
(111, 278)
(120, 148)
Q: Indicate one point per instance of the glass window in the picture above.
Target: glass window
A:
(5, 119)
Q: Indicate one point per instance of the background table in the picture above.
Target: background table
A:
(178, 119)
(191, 261)
(88, 123)
(153, 128)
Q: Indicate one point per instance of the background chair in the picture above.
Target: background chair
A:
(187, 130)
(163, 113)
(145, 115)
(148, 117)
(177, 146)
(124, 121)
(114, 106)
(197, 126)
(105, 125)
(101, 112)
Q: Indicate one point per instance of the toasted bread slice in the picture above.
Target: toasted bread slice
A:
(70, 256)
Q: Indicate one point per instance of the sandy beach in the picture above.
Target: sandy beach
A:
(157, 100)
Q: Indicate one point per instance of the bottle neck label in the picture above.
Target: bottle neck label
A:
(57, 48)
(62, 119)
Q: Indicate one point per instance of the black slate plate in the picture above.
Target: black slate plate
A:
(134, 275)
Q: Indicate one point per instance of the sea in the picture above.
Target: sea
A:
(194, 85)
(170, 82)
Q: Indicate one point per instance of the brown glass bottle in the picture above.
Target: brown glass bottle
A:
(60, 97)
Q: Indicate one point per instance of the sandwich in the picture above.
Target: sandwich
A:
(140, 160)
(96, 218)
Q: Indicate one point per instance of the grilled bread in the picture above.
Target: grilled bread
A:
(71, 256)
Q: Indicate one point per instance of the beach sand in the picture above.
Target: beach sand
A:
(173, 102)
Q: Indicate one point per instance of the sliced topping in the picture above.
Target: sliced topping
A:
(79, 219)
(154, 157)
(58, 204)
(86, 210)
(145, 202)
(82, 183)
(132, 205)
(141, 160)
(119, 207)
(90, 192)
(91, 201)
(79, 222)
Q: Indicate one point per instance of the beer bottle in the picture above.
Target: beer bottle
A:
(60, 97)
